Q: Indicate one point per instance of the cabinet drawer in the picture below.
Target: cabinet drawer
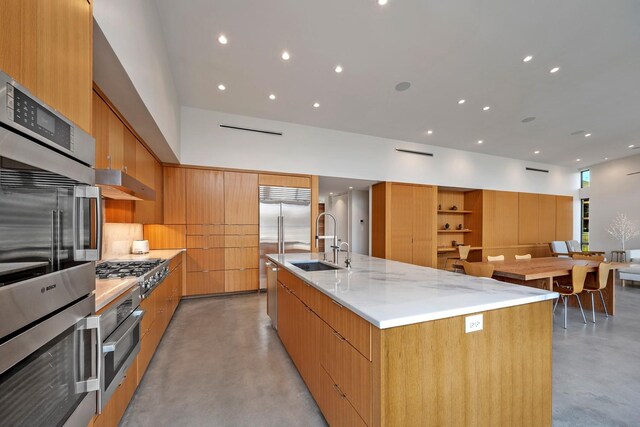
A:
(334, 405)
(239, 258)
(241, 229)
(352, 327)
(147, 348)
(204, 229)
(205, 282)
(348, 369)
(241, 241)
(175, 262)
(149, 306)
(294, 284)
(205, 259)
(196, 242)
(241, 280)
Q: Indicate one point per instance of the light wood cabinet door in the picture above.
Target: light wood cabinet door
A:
(564, 218)
(240, 258)
(528, 218)
(500, 210)
(425, 201)
(241, 280)
(241, 199)
(204, 283)
(100, 120)
(149, 172)
(18, 41)
(174, 189)
(130, 150)
(201, 259)
(547, 218)
(114, 410)
(204, 196)
(400, 246)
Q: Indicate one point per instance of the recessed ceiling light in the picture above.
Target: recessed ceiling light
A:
(429, 132)
(222, 39)
(462, 101)
(528, 119)
(577, 160)
(536, 152)
(554, 70)
(316, 104)
(527, 58)
(578, 132)
(486, 108)
(587, 135)
(338, 69)
(350, 188)
(402, 86)
(221, 87)
(331, 194)
(480, 141)
(606, 158)
(631, 146)
(382, 2)
(285, 55)
(272, 97)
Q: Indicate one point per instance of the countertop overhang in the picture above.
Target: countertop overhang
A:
(389, 294)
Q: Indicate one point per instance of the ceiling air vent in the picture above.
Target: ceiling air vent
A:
(420, 153)
(633, 173)
(268, 132)
(537, 170)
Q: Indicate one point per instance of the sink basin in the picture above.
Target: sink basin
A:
(315, 266)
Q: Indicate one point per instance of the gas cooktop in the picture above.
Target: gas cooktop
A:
(125, 269)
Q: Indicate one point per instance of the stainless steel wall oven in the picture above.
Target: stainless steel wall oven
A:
(50, 237)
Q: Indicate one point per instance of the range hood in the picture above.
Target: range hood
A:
(116, 184)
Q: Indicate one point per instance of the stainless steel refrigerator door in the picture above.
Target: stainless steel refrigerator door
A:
(297, 227)
(269, 233)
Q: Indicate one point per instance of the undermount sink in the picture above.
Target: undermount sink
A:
(315, 266)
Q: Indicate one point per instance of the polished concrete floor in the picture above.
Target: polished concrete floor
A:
(221, 364)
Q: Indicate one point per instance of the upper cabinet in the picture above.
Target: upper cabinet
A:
(47, 47)
(205, 196)
(564, 218)
(175, 208)
(241, 200)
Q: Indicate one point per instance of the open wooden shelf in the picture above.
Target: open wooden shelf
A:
(449, 211)
(454, 231)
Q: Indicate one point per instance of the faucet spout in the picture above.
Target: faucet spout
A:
(334, 246)
(347, 261)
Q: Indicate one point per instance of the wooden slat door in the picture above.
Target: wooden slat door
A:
(528, 218)
(564, 218)
(547, 218)
(401, 226)
(425, 200)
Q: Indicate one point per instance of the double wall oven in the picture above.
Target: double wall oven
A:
(50, 237)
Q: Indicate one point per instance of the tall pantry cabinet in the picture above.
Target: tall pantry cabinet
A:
(218, 211)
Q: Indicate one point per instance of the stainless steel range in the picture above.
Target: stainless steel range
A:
(150, 273)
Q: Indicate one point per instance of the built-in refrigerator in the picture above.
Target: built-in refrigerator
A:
(285, 227)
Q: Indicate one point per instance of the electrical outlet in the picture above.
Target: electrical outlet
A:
(473, 323)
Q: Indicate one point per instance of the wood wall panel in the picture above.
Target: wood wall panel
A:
(205, 196)
(241, 199)
(564, 218)
(500, 218)
(528, 218)
(118, 211)
(165, 236)
(174, 189)
(400, 245)
(241, 280)
(547, 218)
(498, 376)
(424, 221)
(379, 206)
(473, 201)
(275, 180)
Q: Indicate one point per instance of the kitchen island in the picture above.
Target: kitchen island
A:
(386, 343)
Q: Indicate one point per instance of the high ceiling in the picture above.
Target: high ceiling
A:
(447, 50)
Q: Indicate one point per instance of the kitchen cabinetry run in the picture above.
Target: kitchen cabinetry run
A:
(404, 223)
(47, 46)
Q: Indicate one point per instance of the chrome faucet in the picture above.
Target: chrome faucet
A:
(347, 262)
(335, 246)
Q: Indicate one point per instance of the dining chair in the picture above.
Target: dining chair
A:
(598, 258)
(573, 246)
(463, 254)
(603, 278)
(527, 256)
(477, 269)
(495, 258)
(578, 276)
(559, 249)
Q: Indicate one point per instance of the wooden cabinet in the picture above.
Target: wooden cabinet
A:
(175, 206)
(117, 405)
(241, 200)
(537, 218)
(404, 223)
(546, 218)
(47, 47)
(149, 171)
(204, 196)
(109, 132)
(564, 218)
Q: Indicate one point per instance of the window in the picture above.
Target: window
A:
(584, 224)
(585, 178)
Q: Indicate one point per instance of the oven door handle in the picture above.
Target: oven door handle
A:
(93, 383)
(81, 253)
(127, 326)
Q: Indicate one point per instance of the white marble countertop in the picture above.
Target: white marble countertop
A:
(390, 294)
(108, 290)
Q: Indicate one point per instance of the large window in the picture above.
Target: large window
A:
(585, 178)
(584, 224)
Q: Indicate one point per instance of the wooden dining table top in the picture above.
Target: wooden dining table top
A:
(541, 268)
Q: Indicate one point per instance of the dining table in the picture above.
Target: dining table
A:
(543, 272)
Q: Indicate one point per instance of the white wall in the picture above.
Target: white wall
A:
(311, 150)
(133, 30)
(360, 230)
(612, 191)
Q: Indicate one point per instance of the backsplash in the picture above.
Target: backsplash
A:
(118, 237)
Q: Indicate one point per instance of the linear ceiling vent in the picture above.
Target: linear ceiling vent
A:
(537, 170)
(420, 153)
(633, 173)
(268, 132)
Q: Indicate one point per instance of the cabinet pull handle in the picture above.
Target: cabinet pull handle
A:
(109, 159)
(336, 303)
(337, 389)
(340, 337)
